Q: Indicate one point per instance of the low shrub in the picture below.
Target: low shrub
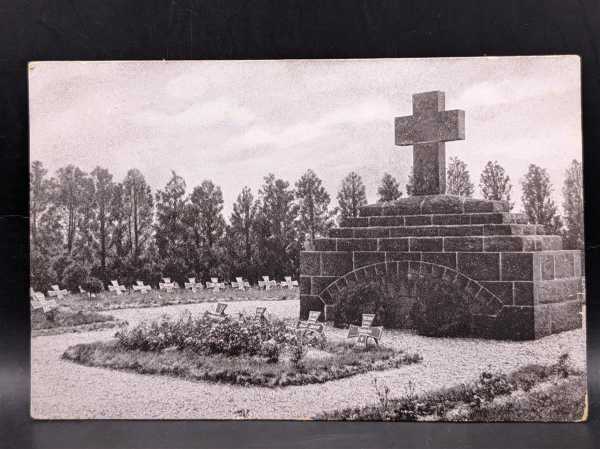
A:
(204, 335)
(479, 398)
(559, 401)
(74, 275)
(93, 285)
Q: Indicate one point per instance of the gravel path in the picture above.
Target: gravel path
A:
(65, 390)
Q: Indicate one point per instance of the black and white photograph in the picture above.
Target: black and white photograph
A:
(307, 239)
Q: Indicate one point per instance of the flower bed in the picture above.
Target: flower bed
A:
(239, 351)
(532, 393)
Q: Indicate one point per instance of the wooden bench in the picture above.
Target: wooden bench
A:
(365, 331)
(193, 285)
(167, 285)
(140, 287)
(311, 325)
(288, 283)
(215, 284)
(57, 292)
(219, 313)
(240, 284)
(116, 288)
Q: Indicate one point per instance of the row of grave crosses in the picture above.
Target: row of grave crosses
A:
(362, 333)
(168, 285)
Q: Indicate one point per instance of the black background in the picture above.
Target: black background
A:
(233, 29)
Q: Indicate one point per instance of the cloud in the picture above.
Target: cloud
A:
(200, 114)
(514, 90)
(368, 110)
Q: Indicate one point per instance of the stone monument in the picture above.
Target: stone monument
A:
(517, 282)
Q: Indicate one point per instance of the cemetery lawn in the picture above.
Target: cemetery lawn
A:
(553, 393)
(106, 301)
(335, 361)
(65, 320)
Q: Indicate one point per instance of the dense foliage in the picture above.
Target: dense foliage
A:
(389, 189)
(203, 335)
(573, 206)
(89, 225)
(458, 178)
(537, 199)
(495, 183)
(86, 226)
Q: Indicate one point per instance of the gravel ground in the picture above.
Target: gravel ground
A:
(64, 390)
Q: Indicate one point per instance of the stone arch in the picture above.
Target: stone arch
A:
(481, 301)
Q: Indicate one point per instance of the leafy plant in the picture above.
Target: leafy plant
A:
(93, 285)
(203, 335)
(298, 351)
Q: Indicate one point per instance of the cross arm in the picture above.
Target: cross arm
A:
(442, 126)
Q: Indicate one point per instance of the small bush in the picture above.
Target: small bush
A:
(203, 335)
(298, 351)
(93, 285)
(74, 276)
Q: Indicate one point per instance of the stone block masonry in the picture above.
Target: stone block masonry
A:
(516, 281)
(520, 282)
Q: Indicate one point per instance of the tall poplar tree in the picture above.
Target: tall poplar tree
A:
(573, 206)
(351, 195)
(495, 183)
(139, 211)
(104, 192)
(537, 199)
(458, 179)
(389, 189)
(313, 206)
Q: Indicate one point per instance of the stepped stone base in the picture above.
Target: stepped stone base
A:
(518, 282)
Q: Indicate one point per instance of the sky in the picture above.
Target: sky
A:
(236, 121)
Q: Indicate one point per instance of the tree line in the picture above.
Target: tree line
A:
(88, 226)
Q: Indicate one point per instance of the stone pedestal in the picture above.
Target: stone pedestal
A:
(519, 283)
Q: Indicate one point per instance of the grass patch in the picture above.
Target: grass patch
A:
(109, 301)
(533, 393)
(75, 329)
(334, 361)
(563, 400)
(64, 320)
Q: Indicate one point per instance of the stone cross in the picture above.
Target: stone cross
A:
(427, 130)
